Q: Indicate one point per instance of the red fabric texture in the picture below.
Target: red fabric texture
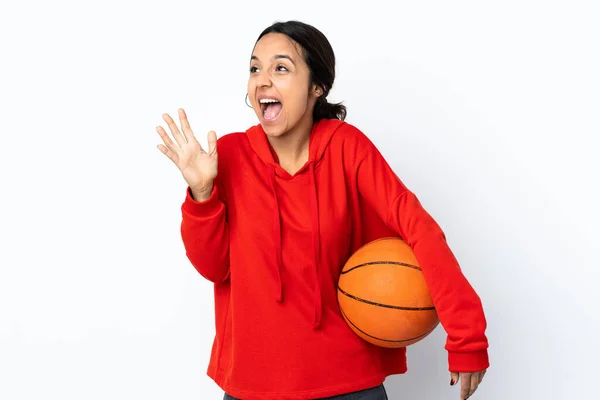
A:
(274, 244)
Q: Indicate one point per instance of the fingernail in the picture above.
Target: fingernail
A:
(451, 382)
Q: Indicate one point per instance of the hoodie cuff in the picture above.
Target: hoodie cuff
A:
(472, 361)
(206, 208)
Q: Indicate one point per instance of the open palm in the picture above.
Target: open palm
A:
(198, 167)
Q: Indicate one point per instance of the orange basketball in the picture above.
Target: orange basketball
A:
(383, 296)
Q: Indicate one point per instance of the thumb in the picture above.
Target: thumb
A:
(453, 378)
(212, 142)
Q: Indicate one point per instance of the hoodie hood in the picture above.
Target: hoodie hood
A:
(320, 137)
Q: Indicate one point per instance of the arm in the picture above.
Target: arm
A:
(205, 233)
(458, 306)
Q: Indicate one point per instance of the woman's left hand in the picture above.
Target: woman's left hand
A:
(468, 382)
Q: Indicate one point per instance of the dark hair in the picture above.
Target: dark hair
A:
(320, 58)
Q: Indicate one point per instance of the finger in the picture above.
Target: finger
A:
(474, 383)
(212, 142)
(174, 130)
(465, 385)
(166, 139)
(185, 125)
(482, 375)
(170, 154)
(453, 378)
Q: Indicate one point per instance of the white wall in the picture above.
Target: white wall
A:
(487, 110)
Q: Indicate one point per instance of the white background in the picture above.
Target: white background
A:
(487, 110)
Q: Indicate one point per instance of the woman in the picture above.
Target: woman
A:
(272, 216)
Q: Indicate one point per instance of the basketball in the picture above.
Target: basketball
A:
(383, 296)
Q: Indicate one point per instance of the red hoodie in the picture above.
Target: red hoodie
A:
(274, 245)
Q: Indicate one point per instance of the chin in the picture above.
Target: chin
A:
(275, 128)
(273, 131)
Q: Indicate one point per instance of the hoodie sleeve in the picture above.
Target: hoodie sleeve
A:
(205, 234)
(458, 306)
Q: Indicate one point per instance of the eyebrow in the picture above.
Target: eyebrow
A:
(277, 56)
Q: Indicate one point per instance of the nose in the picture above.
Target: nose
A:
(263, 79)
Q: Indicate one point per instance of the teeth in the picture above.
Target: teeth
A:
(263, 101)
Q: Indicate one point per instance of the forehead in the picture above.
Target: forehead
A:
(273, 44)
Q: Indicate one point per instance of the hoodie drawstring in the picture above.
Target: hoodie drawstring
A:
(316, 244)
(277, 229)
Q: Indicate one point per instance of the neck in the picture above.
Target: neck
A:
(292, 147)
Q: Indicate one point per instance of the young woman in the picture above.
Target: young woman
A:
(271, 215)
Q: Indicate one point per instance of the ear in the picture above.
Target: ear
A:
(317, 90)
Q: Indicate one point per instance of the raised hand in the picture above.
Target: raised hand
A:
(198, 167)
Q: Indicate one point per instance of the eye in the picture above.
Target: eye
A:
(281, 68)
(253, 69)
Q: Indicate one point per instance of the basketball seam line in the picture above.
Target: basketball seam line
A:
(385, 305)
(387, 340)
(398, 263)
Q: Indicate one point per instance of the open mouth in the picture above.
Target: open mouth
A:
(271, 109)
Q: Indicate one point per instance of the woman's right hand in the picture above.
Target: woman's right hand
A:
(198, 167)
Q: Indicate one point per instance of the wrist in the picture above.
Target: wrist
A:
(202, 193)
